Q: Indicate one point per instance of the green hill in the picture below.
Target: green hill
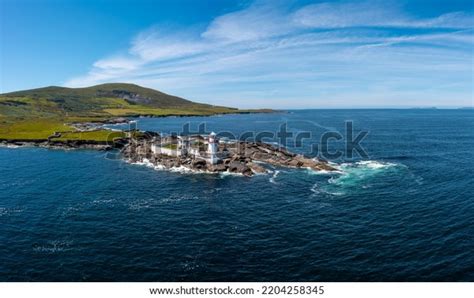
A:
(37, 113)
(104, 100)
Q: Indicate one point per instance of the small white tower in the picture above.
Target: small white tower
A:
(212, 148)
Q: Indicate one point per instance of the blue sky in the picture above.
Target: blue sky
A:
(277, 54)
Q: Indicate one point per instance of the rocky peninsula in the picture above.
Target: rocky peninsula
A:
(196, 153)
(239, 157)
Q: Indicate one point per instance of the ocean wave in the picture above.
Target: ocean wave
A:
(184, 170)
(365, 165)
(373, 164)
(356, 175)
(181, 169)
(322, 172)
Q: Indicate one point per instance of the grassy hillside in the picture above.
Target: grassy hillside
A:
(38, 113)
(100, 101)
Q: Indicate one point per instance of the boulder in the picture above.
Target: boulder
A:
(237, 167)
(295, 163)
(199, 164)
(218, 168)
(257, 169)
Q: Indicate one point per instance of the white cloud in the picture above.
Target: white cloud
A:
(448, 20)
(373, 14)
(118, 63)
(257, 22)
(317, 53)
(341, 15)
(152, 45)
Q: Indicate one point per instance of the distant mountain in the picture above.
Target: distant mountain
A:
(72, 99)
(105, 100)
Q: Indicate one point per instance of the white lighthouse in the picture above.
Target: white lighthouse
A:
(212, 148)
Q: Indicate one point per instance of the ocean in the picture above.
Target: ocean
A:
(402, 212)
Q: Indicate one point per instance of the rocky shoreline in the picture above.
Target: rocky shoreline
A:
(66, 145)
(245, 158)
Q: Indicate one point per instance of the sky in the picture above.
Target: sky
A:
(248, 54)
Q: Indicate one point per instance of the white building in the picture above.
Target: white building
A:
(212, 149)
(184, 147)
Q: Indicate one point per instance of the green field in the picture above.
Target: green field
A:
(37, 129)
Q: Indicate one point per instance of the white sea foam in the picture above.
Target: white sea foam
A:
(375, 164)
(335, 193)
(185, 170)
(356, 175)
(366, 166)
(275, 175)
(144, 162)
(181, 169)
(322, 172)
(227, 173)
(10, 146)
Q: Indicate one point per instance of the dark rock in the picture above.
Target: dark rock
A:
(199, 164)
(218, 168)
(238, 167)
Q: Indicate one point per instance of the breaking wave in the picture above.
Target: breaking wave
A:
(226, 174)
(356, 175)
(180, 169)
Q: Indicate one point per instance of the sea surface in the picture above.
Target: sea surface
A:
(404, 212)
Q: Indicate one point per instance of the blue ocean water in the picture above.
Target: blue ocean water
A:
(404, 213)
